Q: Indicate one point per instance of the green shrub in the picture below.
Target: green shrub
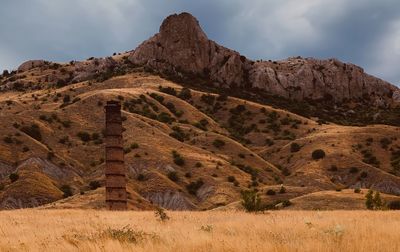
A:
(373, 201)
(271, 192)
(231, 179)
(84, 136)
(67, 190)
(251, 201)
(8, 139)
(357, 190)
(168, 90)
(193, 187)
(185, 94)
(173, 175)
(141, 177)
(318, 154)
(165, 118)
(295, 147)
(218, 143)
(353, 170)
(286, 203)
(282, 190)
(94, 184)
(178, 160)
(134, 146)
(13, 177)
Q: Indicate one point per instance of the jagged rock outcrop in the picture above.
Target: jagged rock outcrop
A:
(182, 48)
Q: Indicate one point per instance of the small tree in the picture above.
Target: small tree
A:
(218, 143)
(369, 200)
(94, 184)
(295, 147)
(251, 201)
(67, 190)
(13, 177)
(318, 154)
(378, 204)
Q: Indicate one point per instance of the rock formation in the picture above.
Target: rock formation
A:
(182, 48)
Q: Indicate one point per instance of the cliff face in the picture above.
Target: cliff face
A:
(181, 47)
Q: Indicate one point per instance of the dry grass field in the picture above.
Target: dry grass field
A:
(89, 230)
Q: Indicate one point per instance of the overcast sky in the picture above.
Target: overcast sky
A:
(364, 32)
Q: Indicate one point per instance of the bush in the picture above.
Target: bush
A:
(185, 94)
(134, 146)
(173, 175)
(178, 160)
(193, 187)
(94, 185)
(251, 201)
(271, 192)
(7, 139)
(231, 179)
(295, 147)
(373, 202)
(218, 143)
(1, 187)
(13, 177)
(32, 131)
(66, 99)
(394, 205)
(353, 170)
(67, 190)
(84, 136)
(357, 190)
(141, 177)
(282, 190)
(318, 154)
(286, 203)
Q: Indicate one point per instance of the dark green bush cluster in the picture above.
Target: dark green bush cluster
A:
(395, 160)
(369, 158)
(202, 124)
(248, 169)
(271, 192)
(318, 154)
(251, 201)
(218, 143)
(13, 177)
(208, 99)
(385, 142)
(173, 175)
(178, 159)
(193, 187)
(168, 90)
(185, 94)
(178, 134)
(94, 184)
(295, 147)
(67, 190)
(373, 201)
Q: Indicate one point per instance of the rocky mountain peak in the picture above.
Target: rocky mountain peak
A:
(181, 48)
(182, 27)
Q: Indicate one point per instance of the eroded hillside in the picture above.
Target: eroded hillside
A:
(184, 149)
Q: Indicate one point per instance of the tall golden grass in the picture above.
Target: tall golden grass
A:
(80, 230)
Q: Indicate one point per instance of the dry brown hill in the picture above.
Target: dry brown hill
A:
(52, 138)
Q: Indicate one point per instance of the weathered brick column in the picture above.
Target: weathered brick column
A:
(115, 168)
